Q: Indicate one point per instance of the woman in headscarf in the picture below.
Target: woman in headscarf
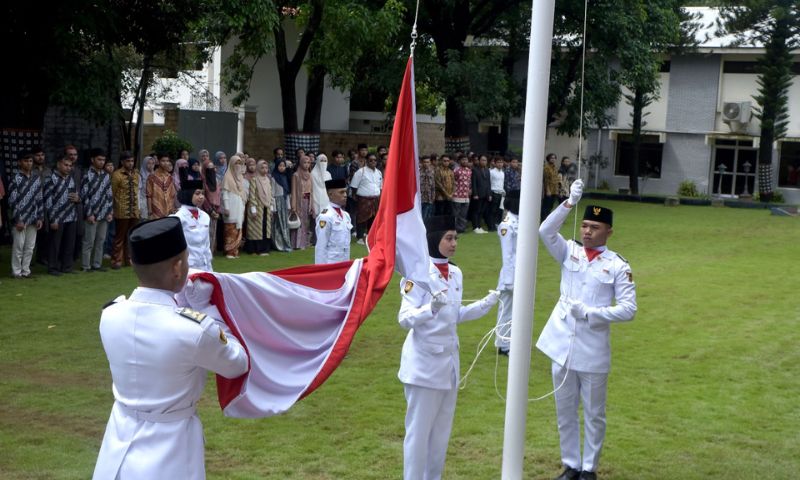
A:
(281, 239)
(260, 205)
(180, 172)
(213, 201)
(301, 203)
(195, 170)
(234, 198)
(146, 168)
(221, 161)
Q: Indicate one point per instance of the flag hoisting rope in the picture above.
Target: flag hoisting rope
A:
(541, 39)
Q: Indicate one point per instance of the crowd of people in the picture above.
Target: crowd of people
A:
(62, 212)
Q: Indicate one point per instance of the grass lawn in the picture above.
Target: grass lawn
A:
(704, 381)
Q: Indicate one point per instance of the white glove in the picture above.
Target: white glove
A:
(579, 310)
(575, 192)
(253, 209)
(439, 301)
(491, 299)
(198, 294)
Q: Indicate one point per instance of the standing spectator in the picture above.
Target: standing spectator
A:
(161, 192)
(180, 172)
(567, 173)
(41, 170)
(511, 180)
(301, 206)
(195, 224)
(234, 198)
(549, 186)
(61, 203)
(145, 170)
(497, 179)
(277, 155)
(429, 363)
(260, 206)
(25, 215)
(367, 184)
(212, 204)
(108, 245)
(427, 186)
(77, 176)
(281, 190)
(124, 188)
(445, 184)
(461, 193)
(195, 170)
(337, 169)
(205, 157)
(481, 195)
(507, 231)
(98, 211)
(356, 163)
(221, 161)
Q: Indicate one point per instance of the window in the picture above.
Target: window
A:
(789, 171)
(650, 151)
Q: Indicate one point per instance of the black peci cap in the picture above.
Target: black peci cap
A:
(599, 214)
(334, 184)
(156, 240)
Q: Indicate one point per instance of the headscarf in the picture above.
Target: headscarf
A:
(263, 185)
(192, 174)
(221, 169)
(319, 174)
(176, 172)
(436, 228)
(282, 179)
(211, 189)
(232, 182)
(144, 174)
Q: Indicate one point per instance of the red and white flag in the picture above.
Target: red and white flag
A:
(297, 324)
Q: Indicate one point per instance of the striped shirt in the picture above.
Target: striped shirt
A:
(96, 194)
(25, 199)
(56, 203)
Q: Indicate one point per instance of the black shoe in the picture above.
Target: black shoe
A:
(569, 473)
(69, 271)
(55, 273)
(99, 269)
(86, 270)
(502, 351)
(585, 475)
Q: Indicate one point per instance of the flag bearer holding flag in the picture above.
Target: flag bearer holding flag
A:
(429, 366)
(333, 226)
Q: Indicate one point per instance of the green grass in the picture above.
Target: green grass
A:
(704, 381)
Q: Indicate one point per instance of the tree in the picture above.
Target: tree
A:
(774, 24)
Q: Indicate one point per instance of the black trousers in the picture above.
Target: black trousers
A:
(62, 247)
(482, 211)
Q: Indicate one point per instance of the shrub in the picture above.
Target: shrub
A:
(687, 188)
(171, 143)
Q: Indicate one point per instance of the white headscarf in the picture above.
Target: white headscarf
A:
(319, 194)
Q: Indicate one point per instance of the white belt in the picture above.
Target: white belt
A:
(154, 417)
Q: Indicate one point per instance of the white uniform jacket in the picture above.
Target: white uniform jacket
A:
(430, 353)
(333, 236)
(197, 239)
(159, 361)
(507, 231)
(597, 284)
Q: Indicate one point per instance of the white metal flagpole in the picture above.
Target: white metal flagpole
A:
(541, 40)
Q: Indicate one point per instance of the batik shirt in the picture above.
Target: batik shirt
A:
(25, 199)
(427, 185)
(96, 194)
(56, 203)
(511, 180)
(125, 189)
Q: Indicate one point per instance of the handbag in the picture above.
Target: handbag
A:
(294, 221)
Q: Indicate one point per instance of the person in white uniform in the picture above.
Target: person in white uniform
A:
(195, 224)
(429, 365)
(160, 356)
(507, 231)
(597, 289)
(333, 226)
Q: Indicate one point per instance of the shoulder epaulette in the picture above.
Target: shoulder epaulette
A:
(112, 302)
(579, 243)
(324, 211)
(622, 258)
(192, 315)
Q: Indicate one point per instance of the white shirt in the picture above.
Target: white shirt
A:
(333, 235)
(368, 181)
(496, 179)
(198, 242)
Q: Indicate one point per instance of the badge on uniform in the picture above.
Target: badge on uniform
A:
(408, 286)
(630, 276)
(324, 210)
(193, 315)
(322, 223)
(503, 231)
(222, 337)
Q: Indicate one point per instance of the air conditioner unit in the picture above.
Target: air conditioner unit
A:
(736, 112)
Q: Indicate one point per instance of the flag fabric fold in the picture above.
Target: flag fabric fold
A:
(297, 324)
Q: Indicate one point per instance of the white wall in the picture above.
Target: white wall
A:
(657, 111)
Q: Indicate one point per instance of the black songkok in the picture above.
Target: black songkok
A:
(156, 240)
(334, 184)
(599, 214)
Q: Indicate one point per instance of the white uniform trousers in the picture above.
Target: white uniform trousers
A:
(502, 338)
(22, 249)
(590, 390)
(429, 419)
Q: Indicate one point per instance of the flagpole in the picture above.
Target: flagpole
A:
(541, 39)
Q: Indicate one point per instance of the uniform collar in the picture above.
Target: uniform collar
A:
(153, 295)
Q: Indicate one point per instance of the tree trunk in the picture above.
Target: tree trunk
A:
(764, 168)
(147, 74)
(287, 76)
(638, 106)
(312, 118)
